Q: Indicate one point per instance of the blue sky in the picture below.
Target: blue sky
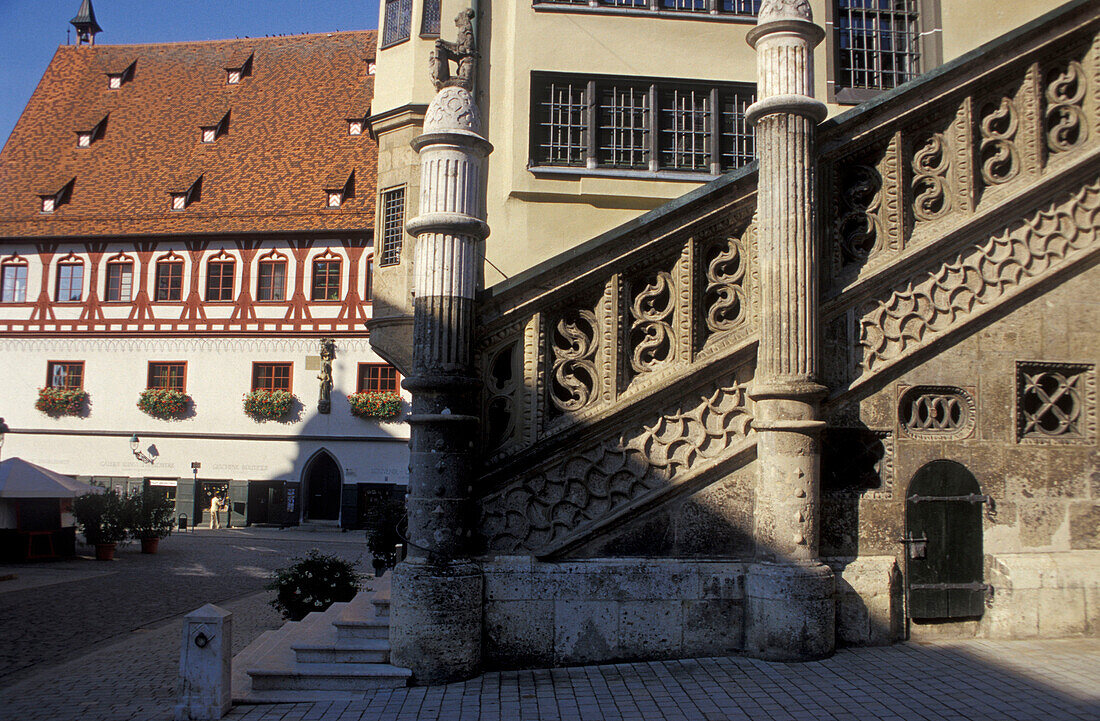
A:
(31, 30)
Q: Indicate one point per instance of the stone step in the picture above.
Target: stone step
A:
(374, 650)
(347, 677)
(359, 621)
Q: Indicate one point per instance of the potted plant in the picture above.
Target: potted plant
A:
(61, 401)
(164, 403)
(375, 404)
(265, 405)
(102, 520)
(383, 535)
(149, 518)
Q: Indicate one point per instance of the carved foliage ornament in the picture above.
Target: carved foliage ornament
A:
(724, 299)
(931, 162)
(501, 379)
(574, 343)
(651, 315)
(1066, 122)
(858, 228)
(1000, 158)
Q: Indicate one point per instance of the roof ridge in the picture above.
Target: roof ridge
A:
(265, 38)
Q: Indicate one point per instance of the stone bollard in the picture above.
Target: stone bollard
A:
(206, 657)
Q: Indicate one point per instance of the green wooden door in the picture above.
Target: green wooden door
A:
(944, 510)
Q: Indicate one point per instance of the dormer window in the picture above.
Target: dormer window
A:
(355, 127)
(51, 201)
(209, 135)
(237, 71)
(182, 194)
(114, 81)
(339, 187)
(85, 138)
(215, 128)
(116, 78)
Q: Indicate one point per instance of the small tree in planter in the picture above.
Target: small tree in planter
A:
(102, 519)
(312, 584)
(264, 405)
(383, 534)
(375, 404)
(61, 401)
(164, 403)
(149, 518)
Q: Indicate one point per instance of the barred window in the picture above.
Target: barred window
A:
(429, 21)
(398, 20)
(877, 43)
(168, 375)
(663, 125)
(393, 225)
(710, 7)
(271, 376)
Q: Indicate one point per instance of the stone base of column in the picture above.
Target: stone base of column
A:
(790, 612)
(436, 620)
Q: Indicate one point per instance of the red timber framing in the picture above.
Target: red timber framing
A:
(190, 316)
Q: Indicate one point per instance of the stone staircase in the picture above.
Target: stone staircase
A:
(340, 653)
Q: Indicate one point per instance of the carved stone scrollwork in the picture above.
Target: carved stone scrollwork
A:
(931, 189)
(574, 342)
(651, 341)
(502, 384)
(858, 228)
(1055, 402)
(724, 299)
(1000, 158)
(936, 412)
(589, 483)
(1065, 121)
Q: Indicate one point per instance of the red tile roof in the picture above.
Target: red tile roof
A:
(287, 134)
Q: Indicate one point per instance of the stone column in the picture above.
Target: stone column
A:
(789, 592)
(437, 592)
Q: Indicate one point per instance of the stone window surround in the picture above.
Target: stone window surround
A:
(742, 94)
(930, 33)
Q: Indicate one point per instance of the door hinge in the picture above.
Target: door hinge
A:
(969, 498)
(972, 586)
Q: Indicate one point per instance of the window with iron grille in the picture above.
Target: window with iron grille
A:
(877, 43)
(643, 125)
(13, 283)
(120, 282)
(169, 280)
(171, 375)
(429, 21)
(709, 7)
(272, 280)
(219, 280)
(393, 225)
(65, 374)
(398, 19)
(70, 282)
(271, 376)
(326, 279)
(377, 377)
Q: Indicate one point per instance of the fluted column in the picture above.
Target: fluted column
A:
(437, 592)
(789, 591)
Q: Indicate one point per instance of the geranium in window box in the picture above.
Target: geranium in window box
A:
(61, 401)
(163, 403)
(375, 404)
(262, 405)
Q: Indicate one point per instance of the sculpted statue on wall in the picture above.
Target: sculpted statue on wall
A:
(328, 352)
(462, 52)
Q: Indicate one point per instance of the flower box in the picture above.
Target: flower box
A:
(261, 405)
(163, 403)
(61, 401)
(375, 404)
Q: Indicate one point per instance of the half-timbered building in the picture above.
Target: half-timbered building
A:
(196, 217)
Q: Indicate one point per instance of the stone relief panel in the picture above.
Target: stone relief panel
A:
(927, 306)
(1055, 402)
(931, 413)
(574, 341)
(866, 210)
(587, 484)
(725, 288)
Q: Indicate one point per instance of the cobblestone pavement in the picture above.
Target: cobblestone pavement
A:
(994, 681)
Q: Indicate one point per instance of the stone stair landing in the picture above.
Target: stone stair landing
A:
(341, 653)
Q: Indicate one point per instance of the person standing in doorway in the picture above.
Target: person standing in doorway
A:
(215, 506)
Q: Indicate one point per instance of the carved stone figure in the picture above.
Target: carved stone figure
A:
(462, 52)
(328, 352)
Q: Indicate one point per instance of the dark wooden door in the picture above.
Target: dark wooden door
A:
(943, 510)
(323, 489)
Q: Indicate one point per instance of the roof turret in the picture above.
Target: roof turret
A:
(85, 24)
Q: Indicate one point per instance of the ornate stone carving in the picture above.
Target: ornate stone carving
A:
(858, 229)
(725, 305)
(783, 9)
(936, 412)
(462, 52)
(931, 189)
(328, 352)
(574, 342)
(1055, 402)
(452, 108)
(501, 379)
(1065, 121)
(588, 483)
(652, 340)
(1000, 158)
(926, 308)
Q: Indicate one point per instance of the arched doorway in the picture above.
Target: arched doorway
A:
(943, 524)
(321, 481)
